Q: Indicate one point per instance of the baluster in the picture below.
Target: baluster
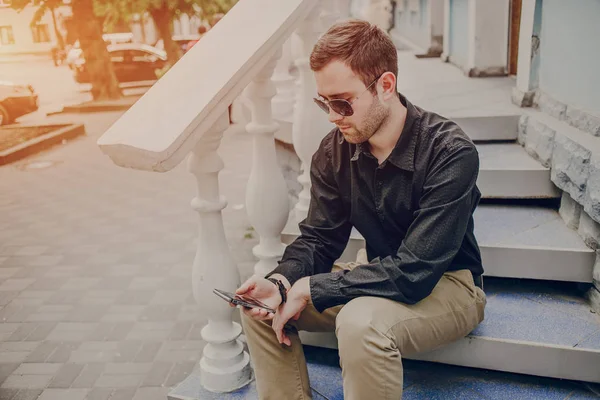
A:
(283, 102)
(310, 123)
(266, 194)
(224, 366)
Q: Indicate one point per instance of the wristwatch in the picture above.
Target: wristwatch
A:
(281, 287)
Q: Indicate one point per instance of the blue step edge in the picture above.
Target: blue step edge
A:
(422, 380)
(554, 313)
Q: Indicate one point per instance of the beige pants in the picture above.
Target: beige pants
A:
(373, 334)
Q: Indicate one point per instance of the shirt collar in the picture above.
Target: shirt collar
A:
(403, 154)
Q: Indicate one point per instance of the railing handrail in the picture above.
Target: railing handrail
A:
(163, 126)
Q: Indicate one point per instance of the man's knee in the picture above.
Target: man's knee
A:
(359, 331)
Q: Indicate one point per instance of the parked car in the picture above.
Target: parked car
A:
(181, 40)
(16, 101)
(131, 61)
(75, 52)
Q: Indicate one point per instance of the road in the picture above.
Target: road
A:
(55, 85)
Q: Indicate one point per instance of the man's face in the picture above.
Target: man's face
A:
(337, 81)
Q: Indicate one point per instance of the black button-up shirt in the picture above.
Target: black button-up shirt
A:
(415, 211)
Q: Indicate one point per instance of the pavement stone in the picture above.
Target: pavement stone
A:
(31, 381)
(66, 376)
(7, 394)
(99, 394)
(6, 369)
(123, 394)
(64, 394)
(27, 394)
(88, 377)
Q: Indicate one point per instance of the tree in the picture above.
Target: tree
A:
(97, 60)
(89, 32)
(163, 12)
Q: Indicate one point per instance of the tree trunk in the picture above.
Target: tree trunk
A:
(163, 19)
(59, 38)
(97, 61)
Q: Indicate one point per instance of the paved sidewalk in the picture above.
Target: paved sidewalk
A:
(95, 263)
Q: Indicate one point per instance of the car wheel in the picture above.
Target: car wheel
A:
(4, 117)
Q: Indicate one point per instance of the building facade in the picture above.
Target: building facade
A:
(19, 36)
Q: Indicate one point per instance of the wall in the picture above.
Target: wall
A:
(489, 45)
(23, 37)
(413, 25)
(569, 56)
(458, 41)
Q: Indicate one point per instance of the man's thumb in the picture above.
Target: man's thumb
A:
(246, 286)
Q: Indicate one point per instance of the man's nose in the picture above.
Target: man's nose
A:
(333, 116)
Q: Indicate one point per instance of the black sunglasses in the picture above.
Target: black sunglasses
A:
(341, 106)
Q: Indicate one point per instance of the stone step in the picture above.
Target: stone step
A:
(506, 171)
(489, 128)
(426, 380)
(512, 237)
(530, 327)
(422, 380)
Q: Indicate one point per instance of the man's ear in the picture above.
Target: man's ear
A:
(387, 86)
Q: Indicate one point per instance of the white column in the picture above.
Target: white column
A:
(184, 20)
(283, 102)
(224, 366)
(446, 47)
(310, 123)
(488, 24)
(266, 194)
(176, 27)
(523, 92)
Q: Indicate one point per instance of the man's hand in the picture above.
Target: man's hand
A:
(297, 299)
(263, 290)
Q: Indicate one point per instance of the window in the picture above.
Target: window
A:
(6, 35)
(40, 33)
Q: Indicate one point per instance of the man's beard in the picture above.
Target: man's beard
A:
(375, 117)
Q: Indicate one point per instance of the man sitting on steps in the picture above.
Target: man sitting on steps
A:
(406, 179)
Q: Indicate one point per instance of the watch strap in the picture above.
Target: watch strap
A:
(281, 287)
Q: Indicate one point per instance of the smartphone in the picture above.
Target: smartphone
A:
(242, 300)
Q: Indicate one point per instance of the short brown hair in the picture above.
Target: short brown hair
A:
(365, 48)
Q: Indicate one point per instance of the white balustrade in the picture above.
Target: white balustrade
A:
(224, 366)
(266, 194)
(185, 114)
(310, 123)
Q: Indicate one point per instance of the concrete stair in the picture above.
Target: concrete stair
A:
(422, 380)
(536, 271)
(510, 237)
(508, 172)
